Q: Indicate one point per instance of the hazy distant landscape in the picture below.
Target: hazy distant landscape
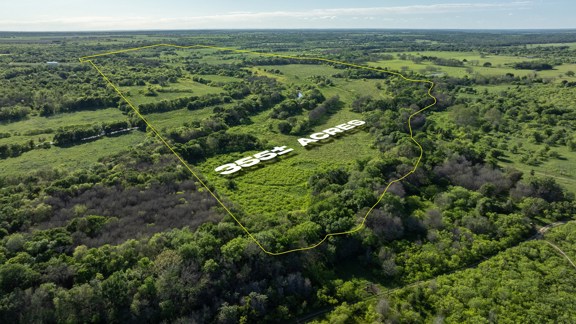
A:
(291, 136)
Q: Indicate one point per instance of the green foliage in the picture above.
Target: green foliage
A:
(499, 289)
(538, 66)
(16, 275)
(77, 134)
(115, 231)
(14, 113)
(285, 127)
(89, 225)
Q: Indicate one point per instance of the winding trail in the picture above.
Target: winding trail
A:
(541, 231)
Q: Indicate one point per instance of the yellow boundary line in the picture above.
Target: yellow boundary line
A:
(88, 59)
(561, 253)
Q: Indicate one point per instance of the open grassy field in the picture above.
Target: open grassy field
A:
(299, 72)
(559, 72)
(556, 161)
(185, 87)
(474, 65)
(70, 158)
(562, 168)
(45, 126)
(178, 117)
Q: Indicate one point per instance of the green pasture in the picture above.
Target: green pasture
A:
(501, 65)
(346, 89)
(559, 72)
(37, 124)
(298, 72)
(349, 90)
(562, 169)
(215, 56)
(185, 87)
(177, 118)
(220, 78)
(427, 68)
(70, 158)
(473, 57)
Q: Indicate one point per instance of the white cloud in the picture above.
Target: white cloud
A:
(351, 12)
(269, 19)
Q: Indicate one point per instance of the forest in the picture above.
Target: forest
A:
(102, 220)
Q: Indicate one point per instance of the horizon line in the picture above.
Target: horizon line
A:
(285, 29)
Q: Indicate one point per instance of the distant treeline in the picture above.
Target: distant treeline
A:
(276, 60)
(355, 73)
(439, 61)
(537, 66)
(192, 103)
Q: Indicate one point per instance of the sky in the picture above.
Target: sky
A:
(93, 15)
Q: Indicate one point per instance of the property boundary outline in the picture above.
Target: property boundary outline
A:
(358, 227)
